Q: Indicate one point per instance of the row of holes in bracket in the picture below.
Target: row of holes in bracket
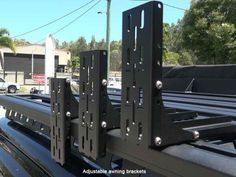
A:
(140, 96)
(58, 87)
(90, 124)
(142, 19)
(91, 87)
(54, 150)
(24, 119)
(90, 144)
(91, 62)
(141, 57)
(140, 129)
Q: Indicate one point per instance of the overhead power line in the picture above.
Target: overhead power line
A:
(168, 5)
(53, 21)
(179, 8)
(68, 24)
(74, 20)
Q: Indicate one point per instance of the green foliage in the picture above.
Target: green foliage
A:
(115, 60)
(93, 43)
(171, 58)
(78, 46)
(5, 40)
(209, 31)
(18, 42)
(116, 45)
(185, 58)
(81, 45)
(173, 52)
(101, 45)
(74, 64)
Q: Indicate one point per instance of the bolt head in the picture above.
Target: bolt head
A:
(196, 135)
(104, 82)
(159, 85)
(67, 80)
(140, 136)
(157, 141)
(127, 129)
(103, 124)
(68, 114)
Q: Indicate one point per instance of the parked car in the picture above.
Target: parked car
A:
(10, 87)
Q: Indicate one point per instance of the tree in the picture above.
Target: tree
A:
(78, 46)
(173, 51)
(116, 51)
(64, 45)
(171, 58)
(5, 40)
(21, 42)
(175, 43)
(115, 45)
(75, 47)
(101, 45)
(115, 60)
(57, 43)
(185, 58)
(74, 64)
(209, 31)
(93, 43)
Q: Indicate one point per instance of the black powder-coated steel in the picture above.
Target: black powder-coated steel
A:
(143, 118)
(93, 101)
(64, 107)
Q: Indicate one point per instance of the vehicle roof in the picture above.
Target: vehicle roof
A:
(21, 154)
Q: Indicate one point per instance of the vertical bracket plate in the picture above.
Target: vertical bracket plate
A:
(64, 108)
(143, 118)
(93, 101)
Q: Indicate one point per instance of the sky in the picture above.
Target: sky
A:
(20, 16)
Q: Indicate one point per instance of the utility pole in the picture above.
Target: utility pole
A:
(108, 36)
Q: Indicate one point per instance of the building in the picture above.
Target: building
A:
(28, 61)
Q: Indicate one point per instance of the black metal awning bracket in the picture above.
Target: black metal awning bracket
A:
(143, 118)
(93, 103)
(64, 108)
